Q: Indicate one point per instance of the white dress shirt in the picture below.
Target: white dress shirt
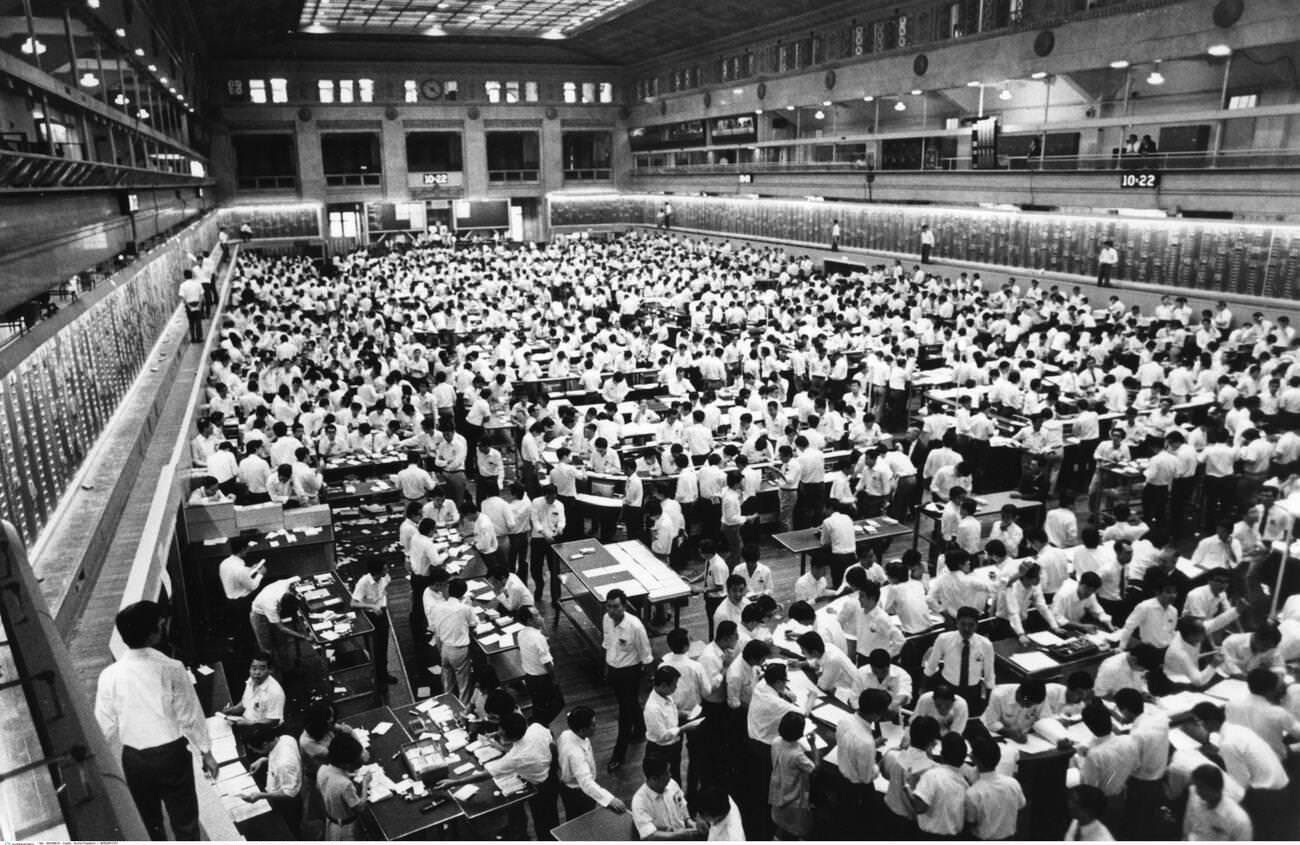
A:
(946, 653)
(626, 643)
(578, 767)
(146, 699)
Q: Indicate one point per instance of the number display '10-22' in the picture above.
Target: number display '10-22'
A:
(1146, 181)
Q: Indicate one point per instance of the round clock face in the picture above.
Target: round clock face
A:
(431, 89)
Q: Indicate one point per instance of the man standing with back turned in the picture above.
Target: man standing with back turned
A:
(146, 705)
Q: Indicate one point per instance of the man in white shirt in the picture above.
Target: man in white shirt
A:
(1153, 620)
(1248, 759)
(1076, 607)
(880, 673)
(964, 660)
(1061, 524)
(148, 711)
(627, 653)
(370, 595)
(260, 710)
(994, 800)
(579, 791)
(414, 481)
(659, 810)
(1108, 761)
(1211, 816)
(939, 796)
(547, 521)
(538, 667)
(450, 622)
(1149, 728)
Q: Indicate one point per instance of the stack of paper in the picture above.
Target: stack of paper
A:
(1030, 662)
(510, 784)
(1045, 639)
(831, 714)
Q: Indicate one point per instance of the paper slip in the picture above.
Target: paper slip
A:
(1034, 661)
(513, 628)
(483, 628)
(243, 811)
(603, 570)
(1045, 639)
(486, 753)
(510, 784)
(381, 728)
(224, 749)
(1229, 689)
(475, 585)
(456, 740)
(466, 792)
(463, 769)
(204, 670)
(586, 550)
(631, 588)
(830, 714)
(1181, 702)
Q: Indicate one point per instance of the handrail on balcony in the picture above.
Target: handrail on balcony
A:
(523, 175)
(36, 171)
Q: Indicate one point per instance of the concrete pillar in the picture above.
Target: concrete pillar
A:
(393, 153)
(476, 180)
(551, 155)
(620, 157)
(311, 164)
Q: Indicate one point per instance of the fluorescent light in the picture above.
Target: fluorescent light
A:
(1156, 78)
(826, 102)
(554, 35)
(900, 106)
(1220, 50)
(139, 51)
(1038, 74)
(974, 83)
(38, 115)
(789, 108)
(163, 80)
(758, 111)
(119, 32)
(916, 92)
(94, 4)
(88, 80)
(1120, 64)
(868, 98)
(737, 91)
(435, 30)
(1005, 94)
(153, 68)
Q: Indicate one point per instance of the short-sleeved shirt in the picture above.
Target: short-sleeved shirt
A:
(263, 702)
(943, 789)
(339, 794)
(660, 811)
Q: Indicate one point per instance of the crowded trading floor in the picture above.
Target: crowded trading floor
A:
(664, 537)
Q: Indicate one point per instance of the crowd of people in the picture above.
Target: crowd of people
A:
(768, 370)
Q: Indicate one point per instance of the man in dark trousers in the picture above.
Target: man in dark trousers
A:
(146, 706)
(927, 243)
(627, 654)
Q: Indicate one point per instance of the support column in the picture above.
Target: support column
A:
(311, 164)
(392, 150)
(476, 179)
(551, 155)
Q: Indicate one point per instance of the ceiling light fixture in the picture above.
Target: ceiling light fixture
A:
(119, 32)
(900, 106)
(153, 68)
(1120, 64)
(139, 51)
(826, 102)
(758, 111)
(32, 45)
(88, 80)
(1004, 94)
(163, 80)
(1038, 74)
(38, 115)
(916, 92)
(94, 4)
(122, 100)
(867, 98)
(435, 30)
(789, 108)
(819, 114)
(1220, 50)
(1156, 77)
(554, 35)
(974, 83)
(143, 114)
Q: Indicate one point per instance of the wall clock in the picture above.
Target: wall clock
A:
(431, 89)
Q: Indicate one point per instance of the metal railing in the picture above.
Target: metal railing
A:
(522, 176)
(353, 180)
(844, 160)
(34, 171)
(268, 183)
(593, 174)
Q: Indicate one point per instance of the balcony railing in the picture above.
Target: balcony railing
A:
(33, 171)
(353, 180)
(847, 160)
(519, 176)
(268, 183)
(593, 174)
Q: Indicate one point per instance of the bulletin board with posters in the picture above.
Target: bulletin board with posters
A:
(1206, 255)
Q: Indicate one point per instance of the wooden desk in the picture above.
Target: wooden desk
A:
(348, 493)
(396, 818)
(1004, 650)
(629, 565)
(363, 466)
(988, 504)
(346, 635)
(598, 825)
(806, 540)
